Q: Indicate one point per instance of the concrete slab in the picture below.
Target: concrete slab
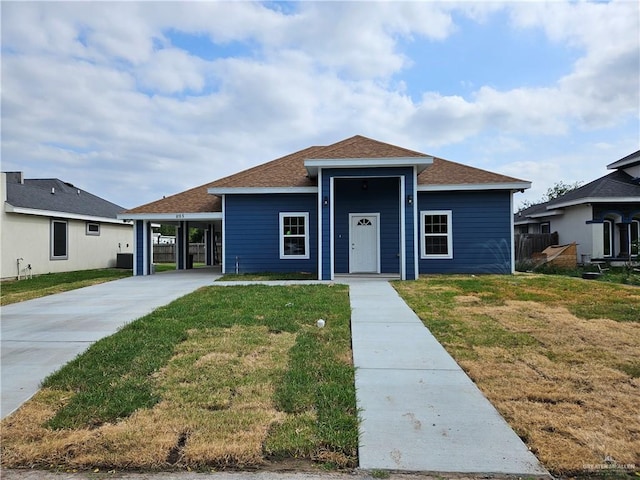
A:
(41, 335)
(419, 410)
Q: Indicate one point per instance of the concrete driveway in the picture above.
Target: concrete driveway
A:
(39, 336)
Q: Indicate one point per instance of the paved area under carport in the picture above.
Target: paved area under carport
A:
(419, 410)
(39, 336)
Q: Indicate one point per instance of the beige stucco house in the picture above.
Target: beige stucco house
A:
(47, 225)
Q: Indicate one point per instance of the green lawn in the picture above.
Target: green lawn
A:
(266, 276)
(41, 285)
(225, 376)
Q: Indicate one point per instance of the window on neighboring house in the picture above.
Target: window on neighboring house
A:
(635, 237)
(436, 234)
(545, 227)
(93, 229)
(607, 238)
(294, 235)
(59, 241)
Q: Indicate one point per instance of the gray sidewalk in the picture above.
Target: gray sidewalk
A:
(419, 410)
(39, 336)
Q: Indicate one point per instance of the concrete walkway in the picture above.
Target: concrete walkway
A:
(419, 410)
(39, 336)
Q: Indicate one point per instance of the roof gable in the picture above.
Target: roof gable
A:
(54, 195)
(363, 147)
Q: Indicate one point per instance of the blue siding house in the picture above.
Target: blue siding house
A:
(358, 206)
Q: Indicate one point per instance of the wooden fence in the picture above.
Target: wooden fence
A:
(167, 253)
(526, 244)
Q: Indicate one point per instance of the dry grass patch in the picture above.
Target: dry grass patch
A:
(569, 386)
(212, 385)
(216, 410)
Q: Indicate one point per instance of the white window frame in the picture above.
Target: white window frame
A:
(547, 225)
(52, 240)
(88, 230)
(423, 235)
(282, 236)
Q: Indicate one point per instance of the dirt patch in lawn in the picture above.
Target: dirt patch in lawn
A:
(216, 410)
(569, 386)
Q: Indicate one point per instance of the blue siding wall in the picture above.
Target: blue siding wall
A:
(481, 223)
(381, 195)
(252, 232)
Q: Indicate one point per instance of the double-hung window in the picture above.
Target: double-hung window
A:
(294, 235)
(59, 240)
(436, 234)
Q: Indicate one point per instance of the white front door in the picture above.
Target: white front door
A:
(364, 239)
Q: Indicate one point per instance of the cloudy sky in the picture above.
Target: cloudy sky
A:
(136, 100)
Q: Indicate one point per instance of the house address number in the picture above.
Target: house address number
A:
(179, 215)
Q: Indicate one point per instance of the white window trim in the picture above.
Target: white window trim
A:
(281, 235)
(89, 232)
(52, 242)
(423, 248)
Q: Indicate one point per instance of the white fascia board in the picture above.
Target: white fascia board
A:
(525, 221)
(548, 213)
(259, 190)
(475, 186)
(634, 158)
(156, 217)
(582, 201)
(313, 164)
(70, 216)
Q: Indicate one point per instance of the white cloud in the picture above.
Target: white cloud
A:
(171, 70)
(98, 87)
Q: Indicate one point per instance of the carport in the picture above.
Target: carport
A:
(211, 223)
(194, 208)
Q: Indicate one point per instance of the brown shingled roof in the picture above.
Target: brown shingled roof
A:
(445, 172)
(194, 200)
(289, 171)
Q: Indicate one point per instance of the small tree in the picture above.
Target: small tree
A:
(557, 190)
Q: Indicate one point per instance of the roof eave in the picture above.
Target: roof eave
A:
(259, 190)
(314, 164)
(52, 213)
(176, 216)
(548, 213)
(628, 161)
(516, 186)
(585, 200)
